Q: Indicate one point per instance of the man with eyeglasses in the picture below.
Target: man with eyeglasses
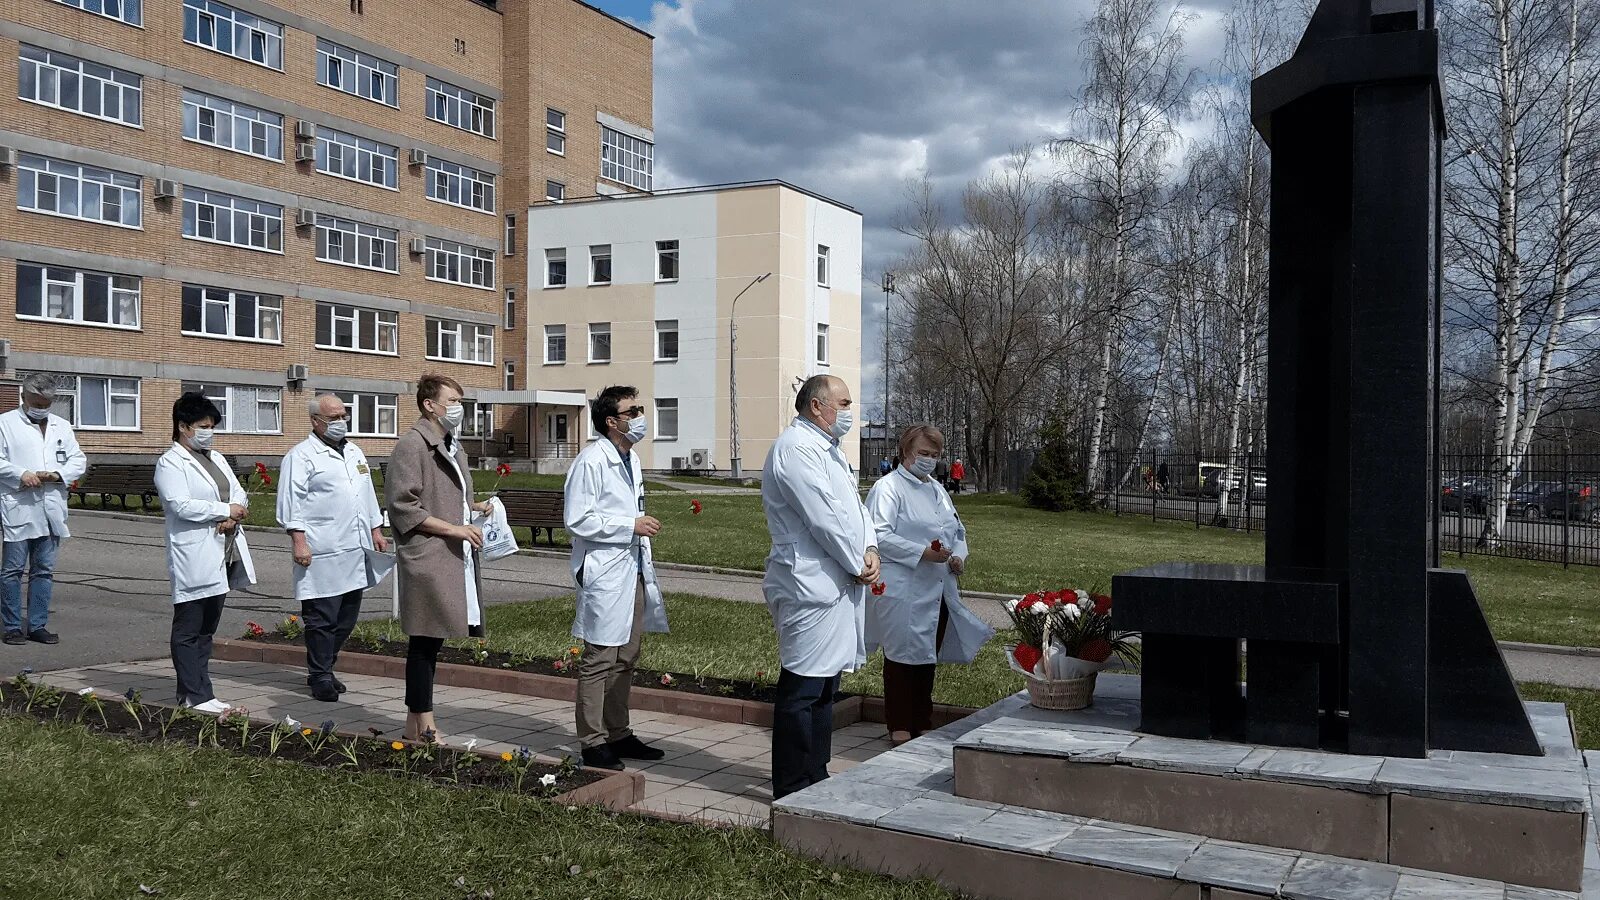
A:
(618, 599)
(327, 504)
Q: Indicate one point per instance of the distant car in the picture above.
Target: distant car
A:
(1214, 483)
(1528, 501)
(1577, 501)
(1468, 494)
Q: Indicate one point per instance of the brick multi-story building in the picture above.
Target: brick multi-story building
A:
(273, 199)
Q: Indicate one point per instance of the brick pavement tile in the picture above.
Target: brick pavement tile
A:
(696, 797)
(666, 772)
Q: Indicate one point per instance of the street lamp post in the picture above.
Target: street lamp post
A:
(888, 288)
(733, 379)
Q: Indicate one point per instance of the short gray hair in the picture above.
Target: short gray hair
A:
(39, 384)
(817, 387)
(314, 405)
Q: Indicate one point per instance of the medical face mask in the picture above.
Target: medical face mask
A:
(638, 427)
(202, 438)
(922, 466)
(454, 415)
(841, 426)
(337, 429)
(38, 415)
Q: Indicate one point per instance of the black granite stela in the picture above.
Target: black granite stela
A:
(1350, 637)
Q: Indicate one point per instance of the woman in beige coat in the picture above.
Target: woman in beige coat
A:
(429, 489)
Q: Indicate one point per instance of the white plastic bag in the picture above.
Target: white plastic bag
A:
(498, 540)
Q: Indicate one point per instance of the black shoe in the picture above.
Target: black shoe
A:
(16, 637)
(602, 757)
(39, 635)
(325, 691)
(337, 684)
(631, 747)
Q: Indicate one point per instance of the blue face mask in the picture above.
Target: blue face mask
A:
(38, 415)
(922, 466)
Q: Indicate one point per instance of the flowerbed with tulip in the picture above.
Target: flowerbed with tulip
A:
(1067, 634)
(126, 717)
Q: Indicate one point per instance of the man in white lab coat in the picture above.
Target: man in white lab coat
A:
(327, 504)
(618, 599)
(824, 554)
(39, 461)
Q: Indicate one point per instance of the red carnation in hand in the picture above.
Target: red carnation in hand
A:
(937, 546)
(503, 469)
(261, 468)
(878, 589)
(1027, 656)
(266, 479)
(1102, 603)
(695, 507)
(1095, 651)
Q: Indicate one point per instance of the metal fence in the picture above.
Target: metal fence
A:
(1552, 507)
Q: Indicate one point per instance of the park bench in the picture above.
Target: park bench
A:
(535, 510)
(120, 480)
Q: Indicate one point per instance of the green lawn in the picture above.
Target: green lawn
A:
(92, 817)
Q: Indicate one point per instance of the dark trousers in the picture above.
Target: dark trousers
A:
(193, 624)
(908, 689)
(328, 622)
(802, 731)
(422, 658)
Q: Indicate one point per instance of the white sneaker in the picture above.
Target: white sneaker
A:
(213, 706)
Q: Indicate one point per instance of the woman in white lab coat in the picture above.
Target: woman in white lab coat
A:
(919, 619)
(207, 556)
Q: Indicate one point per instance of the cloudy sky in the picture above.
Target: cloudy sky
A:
(853, 98)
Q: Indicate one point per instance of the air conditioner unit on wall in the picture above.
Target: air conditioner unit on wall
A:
(166, 188)
(304, 218)
(305, 151)
(419, 156)
(305, 130)
(297, 374)
(699, 459)
(418, 246)
(8, 157)
(679, 464)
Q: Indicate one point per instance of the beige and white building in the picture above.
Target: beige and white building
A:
(641, 290)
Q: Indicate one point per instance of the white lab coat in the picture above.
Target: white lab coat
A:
(909, 515)
(38, 512)
(329, 496)
(820, 534)
(196, 551)
(599, 515)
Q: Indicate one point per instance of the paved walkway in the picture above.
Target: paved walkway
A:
(714, 772)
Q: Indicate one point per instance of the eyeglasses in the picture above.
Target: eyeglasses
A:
(631, 412)
(345, 417)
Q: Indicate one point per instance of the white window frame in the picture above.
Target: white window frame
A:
(555, 131)
(824, 265)
(230, 397)
(824, 345)
(663, 405)
(88, 184)
(666, 250)
(238, 24)
(598, 252)
(474, 342)
(69, 400)
(359, 427)
(477, 418)
(373, 162)
(56, 70)
(664, 327)
(510, 241)
(446, 101)
(239, 210)
(475, 263)
(357, 318)
(511, 375)
(226, 117)
(131, 286)
(358, 239)
(129, 12)
(510, 322)
(597, 329)
(228, 300)
(555, 191)
(556, 255)
(361, 69)
(442, 178)
(626, 159)
(554, 331)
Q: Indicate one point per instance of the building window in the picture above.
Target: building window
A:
(511, 309)
(822, 266)
(55, 294)
(626, 158)
(666, 419)
(600, 264)
(226, 30)
(459, 264)
(341, 327)
(666, 260)
(460, 108)
(511, 234)
(477, 419)
(129, 11)
(245, 409)
(348, 243)
(96, 403)
(599, 342)
(78, 192)
(666, 340)
(555, 345)
(459, 185)
(511, 375)
(555, 191)
(236, 315)
(371, 415)
(357, 73)
(822, 345)
(464, 342)
(555, 267)
(555, 132)
(358, 159)
(226, 219)
(76, 85)
(232, 126)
